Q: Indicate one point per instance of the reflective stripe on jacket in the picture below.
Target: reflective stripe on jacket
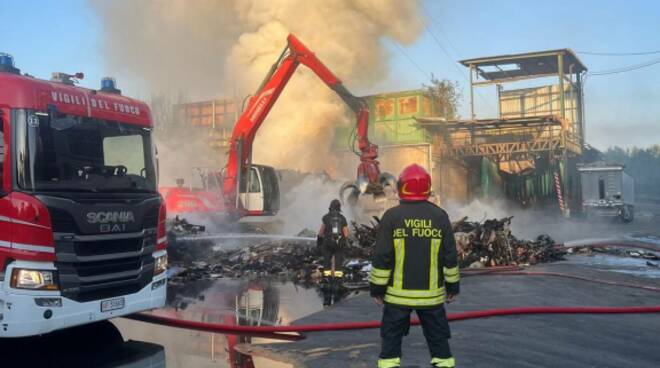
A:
(415, 256)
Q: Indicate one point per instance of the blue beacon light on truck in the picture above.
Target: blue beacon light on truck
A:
(6, 59)
(7, 64)
(109, 84)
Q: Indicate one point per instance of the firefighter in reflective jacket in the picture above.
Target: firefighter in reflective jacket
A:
(415, 268)
(332, 239)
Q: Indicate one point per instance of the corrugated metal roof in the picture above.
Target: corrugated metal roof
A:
(525, 64)
(484, 124)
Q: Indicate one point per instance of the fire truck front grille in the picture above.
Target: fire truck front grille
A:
(87, 281)
(103, 258)
(105, 247)
(62, 221)
(96, 267)
(110, 292)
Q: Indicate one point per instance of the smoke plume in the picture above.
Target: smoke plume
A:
(304, 204)
(223, 49)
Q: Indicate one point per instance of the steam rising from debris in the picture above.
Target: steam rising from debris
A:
(305, 203)
(223, 49)
(528, 223)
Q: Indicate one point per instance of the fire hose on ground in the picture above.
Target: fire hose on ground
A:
(281, 332)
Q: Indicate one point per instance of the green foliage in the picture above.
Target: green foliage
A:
(643, 164)
(445, 95)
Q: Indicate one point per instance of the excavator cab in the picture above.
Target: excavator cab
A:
(260, 191)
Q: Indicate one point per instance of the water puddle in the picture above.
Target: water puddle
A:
(631, 266)
(225, 301)
(653, 239)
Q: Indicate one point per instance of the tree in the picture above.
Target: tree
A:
(643, 164)
(444, 95)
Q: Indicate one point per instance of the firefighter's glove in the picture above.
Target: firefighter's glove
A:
(377, 291)
(319, 240)
(452, 289)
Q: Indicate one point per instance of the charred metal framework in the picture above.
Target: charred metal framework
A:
(522, 134)
(215, 117)
(500, 140)
(535, 124)
(498, 70)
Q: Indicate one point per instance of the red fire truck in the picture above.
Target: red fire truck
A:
(82, 226)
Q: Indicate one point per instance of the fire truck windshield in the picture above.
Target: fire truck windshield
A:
(70, 153)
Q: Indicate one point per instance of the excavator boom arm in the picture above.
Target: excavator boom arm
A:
(260, 104)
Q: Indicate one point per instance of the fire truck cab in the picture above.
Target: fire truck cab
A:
(82, 225)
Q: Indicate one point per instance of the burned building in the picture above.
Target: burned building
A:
(215, 117)
(527, 154)
(393, 128)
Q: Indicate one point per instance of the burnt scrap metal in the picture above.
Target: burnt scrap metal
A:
(182, 226)
(364, 235)
(491, 244)
(297, 261)
(482, 244)
(479, 244)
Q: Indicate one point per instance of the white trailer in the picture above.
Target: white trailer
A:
(607, 191)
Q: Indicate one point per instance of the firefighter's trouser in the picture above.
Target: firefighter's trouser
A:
(333, 248)
(396, 324)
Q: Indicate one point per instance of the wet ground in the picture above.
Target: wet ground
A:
(622, 340)
(259, 302)
(516, 341)
(625, 265)
(126, 343)
(528, 341)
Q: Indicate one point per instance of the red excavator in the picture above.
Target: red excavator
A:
(248, 189)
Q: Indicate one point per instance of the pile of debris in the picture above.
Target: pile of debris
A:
(293, 261)
(490, 243)
(479, 244)
(364, 236)
(297, 261)
(181, 226)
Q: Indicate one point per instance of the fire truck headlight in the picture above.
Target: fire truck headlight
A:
(160, 264)
(33, 279)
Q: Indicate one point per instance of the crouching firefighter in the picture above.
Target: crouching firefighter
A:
(414, 268)
(332, 239)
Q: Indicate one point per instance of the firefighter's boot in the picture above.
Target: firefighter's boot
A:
(443, 363)
(389, 363)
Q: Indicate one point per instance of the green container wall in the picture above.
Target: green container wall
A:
(536, 188)
(490, 179)
(391, 119)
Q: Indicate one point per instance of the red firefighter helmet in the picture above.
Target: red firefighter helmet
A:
(414, 184)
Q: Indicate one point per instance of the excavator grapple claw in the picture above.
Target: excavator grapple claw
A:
(351, 191)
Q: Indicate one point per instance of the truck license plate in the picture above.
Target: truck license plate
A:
(112, 304)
